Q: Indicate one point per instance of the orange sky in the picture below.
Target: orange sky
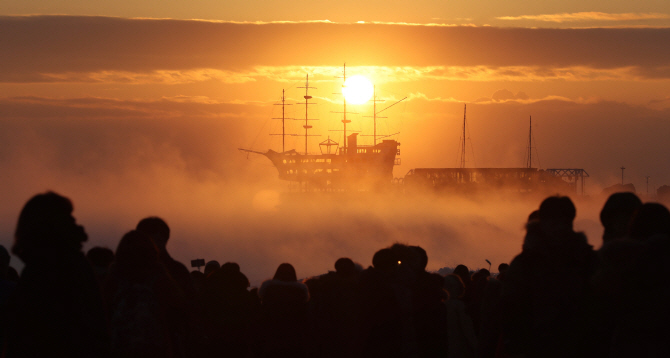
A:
(97, 105)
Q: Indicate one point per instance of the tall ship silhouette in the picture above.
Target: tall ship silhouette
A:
(337, 167)
(351, 166)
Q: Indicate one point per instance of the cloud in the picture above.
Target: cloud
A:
(505, 95)
(167, 77)
(588, 16)
(379, 74)
(64, 48)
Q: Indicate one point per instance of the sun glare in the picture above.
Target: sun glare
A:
(357, 89)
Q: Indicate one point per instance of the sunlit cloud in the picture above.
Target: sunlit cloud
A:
(167, 77)
(110, 108)
(429, 24)
(379, 74)
(388, 74)
(588, 16)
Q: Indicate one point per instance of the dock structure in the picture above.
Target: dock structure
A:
(498, 179)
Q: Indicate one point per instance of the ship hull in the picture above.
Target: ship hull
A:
(353, 168)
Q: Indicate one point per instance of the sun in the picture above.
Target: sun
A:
(357, 89)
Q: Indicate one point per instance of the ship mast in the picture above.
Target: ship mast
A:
(344, 118)
(463, 143)
(307, 97)
(529, 163)
(345, 121)
(283, 104)
(375, 113)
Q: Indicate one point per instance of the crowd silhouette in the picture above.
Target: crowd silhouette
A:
(557, 298)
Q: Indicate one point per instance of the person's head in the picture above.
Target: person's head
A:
(454, 285)
(156, 228)
(230, 277)
(345, 267)
(503, 267)
(285, 272)
(422, 257)
(481, 275)
(230, 267)
(651, 219)
(617, 214)
(240, 279)
(136, 249)
(463, 272)
(534, 216)
(408, 257)
(100, 257)
(557, 209)
(385, 260)
(211, 266)
(46, 223)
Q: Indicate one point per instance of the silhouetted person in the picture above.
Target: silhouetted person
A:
(475, 296)
(644, 330)
(385, 306)
(615, 277)
(58, 310)
(159, 231)
(617, 215)
(547, 284)
(146, 309)
(281, 331)
(100, 258)
(226, 312)
(198, 280)
(211, 266)
(490, 318)
(7, 284)
(335, 311)
(7, 288)
(345, 267)
(461, 336)
(464, 273)
(502, 270)
(651, 219)
(429, 314)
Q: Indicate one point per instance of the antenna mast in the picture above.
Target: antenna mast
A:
(307, 103)
(463, 144)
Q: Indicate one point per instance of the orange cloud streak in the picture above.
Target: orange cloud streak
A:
(588, 16)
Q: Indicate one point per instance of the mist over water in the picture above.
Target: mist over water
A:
(222, 205)
(260, 228)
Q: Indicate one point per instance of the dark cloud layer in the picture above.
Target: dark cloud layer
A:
(35, 45)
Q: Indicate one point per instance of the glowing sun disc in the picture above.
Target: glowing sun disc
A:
(357, 89)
